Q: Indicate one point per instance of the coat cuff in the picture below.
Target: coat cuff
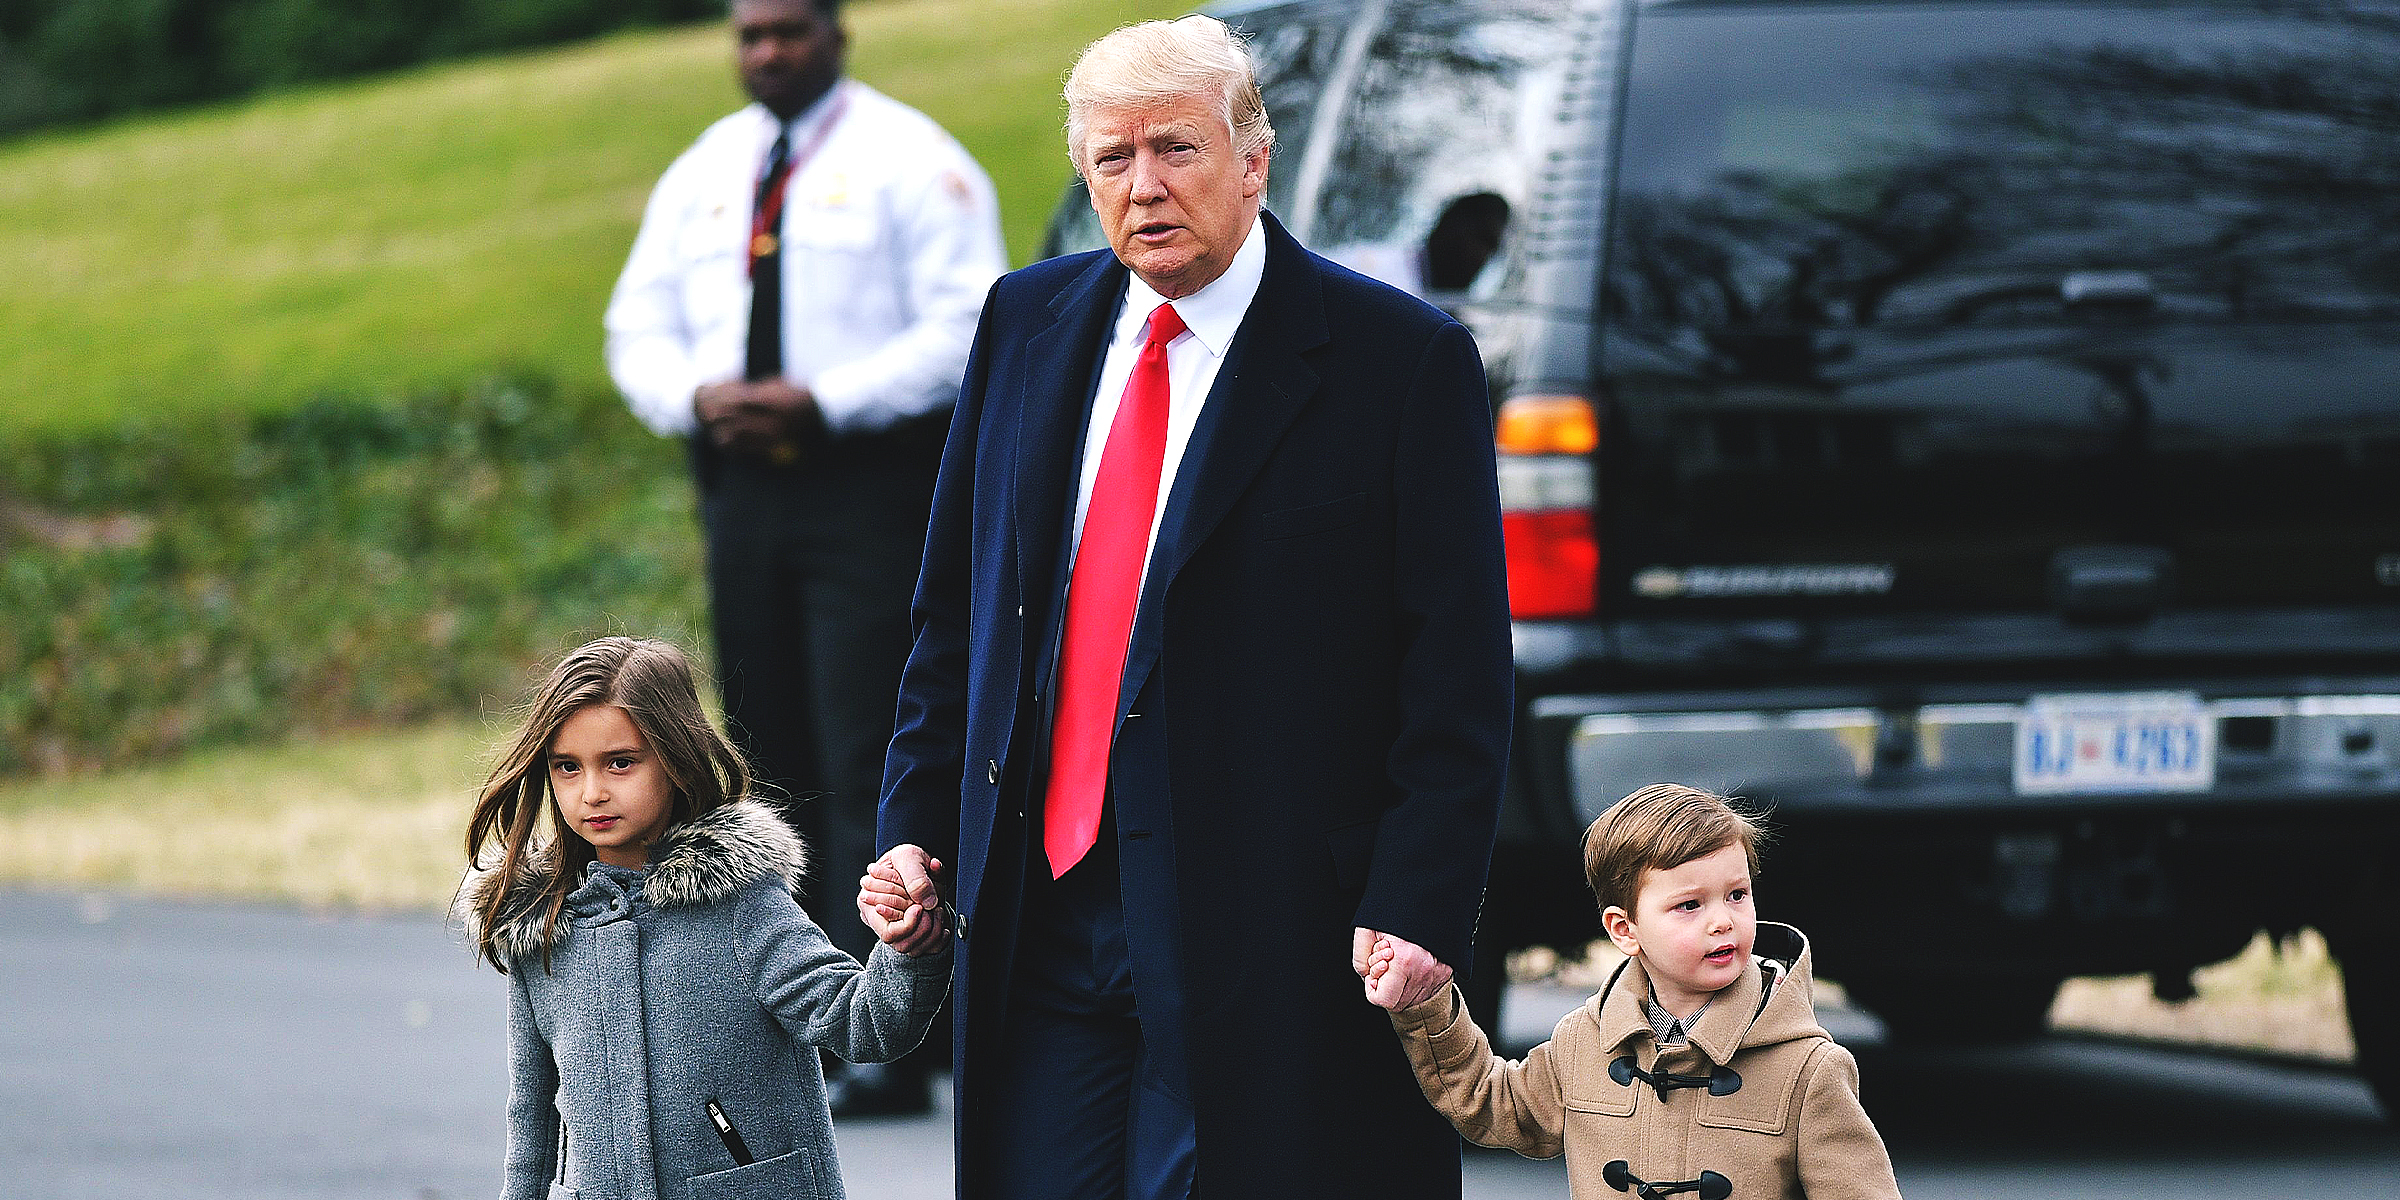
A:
(936, 963)
(1433, 1016)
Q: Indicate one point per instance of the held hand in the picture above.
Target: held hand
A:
(910, 873)
(914, 927)
(1397, 972)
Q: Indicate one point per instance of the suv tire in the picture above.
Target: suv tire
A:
(2370, 973)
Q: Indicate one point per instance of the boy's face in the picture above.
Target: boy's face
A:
(1692, 926)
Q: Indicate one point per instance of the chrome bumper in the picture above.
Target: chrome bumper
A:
(1955, 756)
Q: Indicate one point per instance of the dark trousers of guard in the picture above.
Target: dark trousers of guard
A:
(811, 565)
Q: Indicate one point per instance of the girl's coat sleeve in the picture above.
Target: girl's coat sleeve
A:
(532, 1097)
(824, 997)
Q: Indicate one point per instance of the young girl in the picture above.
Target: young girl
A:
(666, 994)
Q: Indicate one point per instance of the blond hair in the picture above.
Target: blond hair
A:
(1161, 62)
(1661, 827)
(652, 681)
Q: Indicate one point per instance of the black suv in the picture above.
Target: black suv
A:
(1972, 429)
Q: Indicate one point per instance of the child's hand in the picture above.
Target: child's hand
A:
(1411, 983)
(903, 924)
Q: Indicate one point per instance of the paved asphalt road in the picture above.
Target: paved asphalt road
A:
(157, 1049)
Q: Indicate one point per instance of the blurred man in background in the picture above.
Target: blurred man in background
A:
(799, 304)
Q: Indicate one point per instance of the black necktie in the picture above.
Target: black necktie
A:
(766, 274)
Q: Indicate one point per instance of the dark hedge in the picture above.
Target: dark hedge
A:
(343, 564)
(74, 60)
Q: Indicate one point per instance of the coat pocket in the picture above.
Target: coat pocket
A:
(1754, 1109)
(1610, 1102)
(798, 1175)
(1333, 514)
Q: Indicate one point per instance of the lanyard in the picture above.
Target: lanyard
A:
(769, 212)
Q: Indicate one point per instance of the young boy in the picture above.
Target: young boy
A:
(1699, 1067)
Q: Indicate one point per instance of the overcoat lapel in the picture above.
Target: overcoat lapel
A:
(1264, 384)
(1061, 363)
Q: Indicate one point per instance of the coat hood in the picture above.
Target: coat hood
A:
(1774, 1000)
(705, 860)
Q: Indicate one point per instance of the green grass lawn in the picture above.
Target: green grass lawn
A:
(430, 228)
(372, 820)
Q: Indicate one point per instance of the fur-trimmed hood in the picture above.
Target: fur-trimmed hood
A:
(706, 860)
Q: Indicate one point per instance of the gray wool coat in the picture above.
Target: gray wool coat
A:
(694, 979)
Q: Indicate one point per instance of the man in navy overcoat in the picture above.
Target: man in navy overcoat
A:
(1303, 748)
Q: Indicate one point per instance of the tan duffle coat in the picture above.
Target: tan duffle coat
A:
(1758, 1096)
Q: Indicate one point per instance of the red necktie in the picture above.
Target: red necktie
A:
(1101, 595)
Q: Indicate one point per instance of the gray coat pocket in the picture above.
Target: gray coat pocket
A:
(798, 1175)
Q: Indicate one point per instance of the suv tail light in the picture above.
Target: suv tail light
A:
(1546, 502)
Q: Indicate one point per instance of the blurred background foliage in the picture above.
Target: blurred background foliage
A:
(74, 60)
(347, 562)
(303, 421)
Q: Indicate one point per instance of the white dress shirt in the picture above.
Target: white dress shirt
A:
(890, 237)
(1210, 317)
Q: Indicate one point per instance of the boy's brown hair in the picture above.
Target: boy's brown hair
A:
(1661, 827)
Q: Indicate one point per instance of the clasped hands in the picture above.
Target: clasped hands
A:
(900, 900)
(1397, 972)
(762, 418)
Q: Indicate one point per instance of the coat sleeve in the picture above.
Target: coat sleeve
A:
(1841, 1155)
(924, 767)
(1491, 1100)
(945, 223)
(871, 1013)
(532, 1159)
(1432, 849)
(649, 348)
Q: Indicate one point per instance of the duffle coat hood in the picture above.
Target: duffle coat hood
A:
(1757, 1094)
(697, 978)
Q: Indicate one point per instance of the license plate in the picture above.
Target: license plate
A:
(2139, 742)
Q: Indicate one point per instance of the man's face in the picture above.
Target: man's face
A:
(1693, 925)
(790, 52)
(1173, 195)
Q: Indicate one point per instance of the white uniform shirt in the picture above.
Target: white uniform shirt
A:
(1211, 316)
(890, 237)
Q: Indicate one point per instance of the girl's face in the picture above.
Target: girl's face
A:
(610, 788)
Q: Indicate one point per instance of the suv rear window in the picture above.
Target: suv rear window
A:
(1979, 165)
(1401, 129)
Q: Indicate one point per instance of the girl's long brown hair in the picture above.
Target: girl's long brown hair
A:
(652, 681)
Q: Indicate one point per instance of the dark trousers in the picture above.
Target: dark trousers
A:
(1077, 1113)
(810, 570)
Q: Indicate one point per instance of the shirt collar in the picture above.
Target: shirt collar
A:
(1214, 313)
(1666, 1026)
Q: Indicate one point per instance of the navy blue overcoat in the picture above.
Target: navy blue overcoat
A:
(1314, 717)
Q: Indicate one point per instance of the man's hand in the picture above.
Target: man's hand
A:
(766, 418)
(900, 901)
(1397, 972)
